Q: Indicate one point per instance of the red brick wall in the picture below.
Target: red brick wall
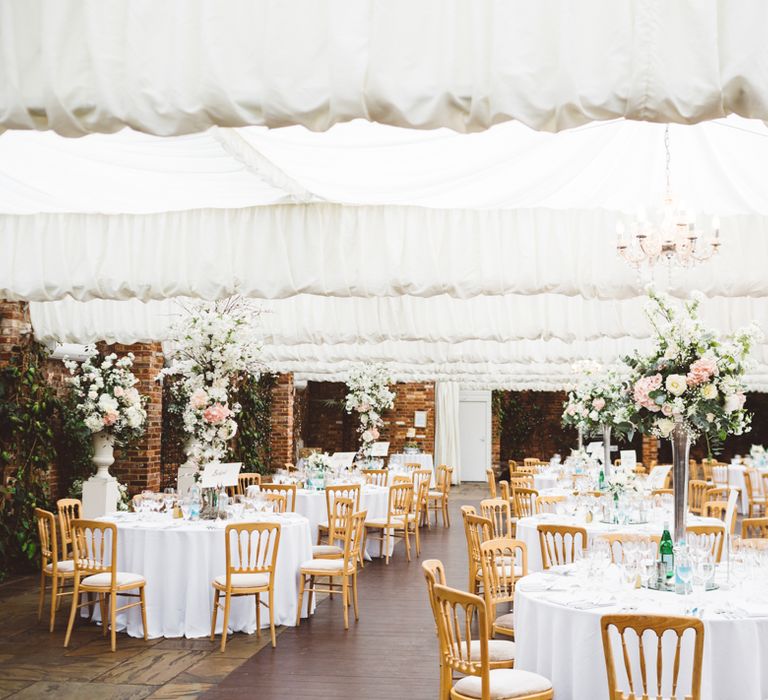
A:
(411, 397)
(14, 329)
(139, 467)
(281, 421)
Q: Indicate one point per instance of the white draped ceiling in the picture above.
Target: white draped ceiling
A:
(180, 66)
(487, 259)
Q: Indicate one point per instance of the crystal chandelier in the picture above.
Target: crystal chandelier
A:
(675, 240)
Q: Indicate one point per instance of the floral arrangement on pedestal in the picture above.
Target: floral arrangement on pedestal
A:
(600, 398)
(369, 396)
(318, 462)
(691, 378)
(106, 396)
(622, 481)
(215, 344)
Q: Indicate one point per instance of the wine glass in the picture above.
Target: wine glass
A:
(684, 568)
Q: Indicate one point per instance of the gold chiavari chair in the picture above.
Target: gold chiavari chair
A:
(499, 512)
(500, 570)
(521, 480)
(717, 493)
(344, 568)
(343, 508)
(719, 509)
(531, 461)
(244, 480)
(617, 540)
(713, 535)
(524, 502)
(477, 530)
(251, 558)
(697, 489)
(94, 543)
(696, 474)
(287, 490)
(434, 574)
(416, 518)
(706, 467)
(331, 494)
(558, 543)
(663, 492)
(376, 477)
(491, 477)
(548, 504)
(720, 475)
(438, 497)
(69, 509)
(754, 528)
(279, 501)
(755, 500)
(421, 476)
(456, 614)
(411, 466)
(59, 571)
(399, 509)
(512, 465)
(528, 469)
(658, 625)
(504, 491)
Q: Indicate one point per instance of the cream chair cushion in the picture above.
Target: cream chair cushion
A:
(243, 580)
(65, 566)
(498, 650)
(326, 550)
(329, 565)
(507, 621)
(105, 579)
(435, 494)
(381, 522)
(505, 683)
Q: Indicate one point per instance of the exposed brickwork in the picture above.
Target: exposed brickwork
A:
(139, 467)
(15, 329)
(281, 420)
(411, 397)
(650, 451)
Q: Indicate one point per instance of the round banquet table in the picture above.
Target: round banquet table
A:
(557, 634)
(312, 505)
(179, 560)
(545, 481)
(527, 530)
(398, 460)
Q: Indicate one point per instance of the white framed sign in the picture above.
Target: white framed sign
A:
(628, 459)
(218, 474)
(379, 449)
(420, 419)
(343, 460)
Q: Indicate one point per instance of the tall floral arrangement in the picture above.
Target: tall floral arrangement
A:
(691, 376)
(215, 344)
(601, 397)
(106, 396)
(369, 396)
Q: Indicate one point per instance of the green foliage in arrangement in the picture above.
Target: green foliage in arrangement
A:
(28, 408)
(254, 428)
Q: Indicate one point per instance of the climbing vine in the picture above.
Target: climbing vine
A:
(254, 427)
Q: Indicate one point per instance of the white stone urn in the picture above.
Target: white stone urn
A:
(100, 492)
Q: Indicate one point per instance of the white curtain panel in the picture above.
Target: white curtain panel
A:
(447, 429)
(181, 66)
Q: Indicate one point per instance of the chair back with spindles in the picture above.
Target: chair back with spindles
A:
(524, 502)
(530, 469)
(94, 548)
(279, 501)
(504, 491)
(491, 477)
(46, 529)
(477, 529)
(341, 491)
(434, 574)
(520, 480)
(287, 490)
(559, 543)
(713, 535)
(706, 467)
(502, 560)
(548, 504)
(617, 540)
(719, 509)
(69, 509)
(251, 548)
(697, 489)
(531, 461)
(499, 512)
(419, 477)
(376, 477)
(443, 479)
(644, 685)
(754, 528)
(720, 474)
(411, 466)
(400, 501)
(512, 465)
(343, 509)
(717, 493)
(246, 479)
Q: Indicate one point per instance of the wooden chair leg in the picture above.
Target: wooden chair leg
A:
(386, 544)
(54, 601)
(42, 596)
(225, 622)
(354, 596)
(406, 533)
(258, 615)
(345, 601)
(215, 613)
(104, 614)
(143, 601)
(272, 616)
(113, 620)
(418, 542)
(446, 514)
(301, 600)
(72, 613)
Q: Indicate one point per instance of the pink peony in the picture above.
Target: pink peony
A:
(110, 418)
(598, 404)
(199, 399)
(642, 389)
(701, 371)
(118, 391)
(364, 408)
(667, 409)
(217, 413)
(571, 410)
(375, 433)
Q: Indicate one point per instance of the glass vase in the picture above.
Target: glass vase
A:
(681, 447)
(607, 450)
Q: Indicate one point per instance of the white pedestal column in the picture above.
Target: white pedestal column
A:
(100, 496)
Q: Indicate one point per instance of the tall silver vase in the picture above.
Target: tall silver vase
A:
(681, 447)
(607, 450)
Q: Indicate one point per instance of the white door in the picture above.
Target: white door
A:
(475, 434)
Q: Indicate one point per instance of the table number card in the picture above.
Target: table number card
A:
(218, 474)
(343, 460)
(379, 449)
(628, 459)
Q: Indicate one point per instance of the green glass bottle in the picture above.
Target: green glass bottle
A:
(601, 481)
(666, 552)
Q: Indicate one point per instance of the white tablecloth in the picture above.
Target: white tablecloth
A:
(312, 505)
(528, 533)
(180, 559)
(545, 481)
(424, 459)
(564, 643)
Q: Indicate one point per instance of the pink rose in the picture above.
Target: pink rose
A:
(701, 371)
(598, 404)
(199, 399)
(118, 391)
(571, 410)
(667, 409)
(110, 418)
(216, 413)
(364, 408)
(642, 389)
(375, 433)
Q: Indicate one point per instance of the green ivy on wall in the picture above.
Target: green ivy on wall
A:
(254, 426)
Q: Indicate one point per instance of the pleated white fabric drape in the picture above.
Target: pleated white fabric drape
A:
(181, 66)
(447, 437)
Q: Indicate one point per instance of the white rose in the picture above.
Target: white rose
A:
(709, 391)
(107, 403)
(94, 423)
(676, 384)
(710, 417)
(665, 426)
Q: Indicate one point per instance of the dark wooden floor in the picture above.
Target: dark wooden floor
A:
(390, 653)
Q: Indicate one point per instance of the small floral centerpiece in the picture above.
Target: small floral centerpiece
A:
(622, 481)
(369, 396)
(107, 398)
(318, 462)
(758, 455)
(692, 378)
(215, 345)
